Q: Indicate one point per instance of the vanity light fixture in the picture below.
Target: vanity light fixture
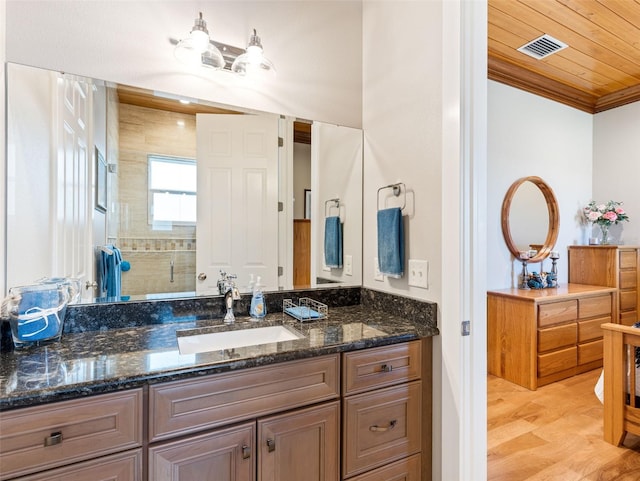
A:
(253, 60)
(197, 49)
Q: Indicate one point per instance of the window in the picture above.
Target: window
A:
(172, 191)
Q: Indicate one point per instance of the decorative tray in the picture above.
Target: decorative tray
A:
(307, 309)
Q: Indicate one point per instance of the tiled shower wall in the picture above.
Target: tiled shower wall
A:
(145, 131)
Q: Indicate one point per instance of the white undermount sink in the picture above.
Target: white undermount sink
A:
(217, 341)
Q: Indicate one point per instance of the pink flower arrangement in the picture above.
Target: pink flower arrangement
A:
(605, 214)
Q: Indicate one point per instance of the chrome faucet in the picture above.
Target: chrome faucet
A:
(227, 286)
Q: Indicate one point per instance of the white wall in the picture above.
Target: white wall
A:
(616, 166)
(29, 139)
(315, 46)
(336, 173)
(530, 135)
(402, 121)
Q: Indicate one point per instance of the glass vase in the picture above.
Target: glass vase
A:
(604, 240)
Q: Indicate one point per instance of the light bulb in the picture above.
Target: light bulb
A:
(199, 40)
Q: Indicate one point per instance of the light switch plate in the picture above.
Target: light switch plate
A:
(419, 273)
(348, 265)
(377, 275)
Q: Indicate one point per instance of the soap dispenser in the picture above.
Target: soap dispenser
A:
(258, 308)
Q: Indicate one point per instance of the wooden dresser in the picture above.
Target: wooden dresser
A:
(539, 336)
(612, 266)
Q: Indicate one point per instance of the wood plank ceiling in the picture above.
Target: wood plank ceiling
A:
(599, 70)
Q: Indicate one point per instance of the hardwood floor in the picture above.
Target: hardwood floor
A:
(554, 433)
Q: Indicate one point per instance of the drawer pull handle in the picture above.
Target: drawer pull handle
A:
(386, 368)
(246, 452)
(55, 438)
(271, 445)
(381, 429)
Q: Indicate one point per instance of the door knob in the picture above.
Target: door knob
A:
(91, 285)
(202, 276)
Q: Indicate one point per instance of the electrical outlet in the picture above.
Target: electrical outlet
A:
(377, 275)
(419, 273)
(348, 265)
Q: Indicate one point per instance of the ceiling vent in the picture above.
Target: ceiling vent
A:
(542, 47)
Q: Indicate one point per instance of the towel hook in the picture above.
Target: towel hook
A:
(397, 189)
(327, 205)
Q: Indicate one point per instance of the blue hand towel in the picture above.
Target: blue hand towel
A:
(111, 272)
(333, 242)
(391, 242)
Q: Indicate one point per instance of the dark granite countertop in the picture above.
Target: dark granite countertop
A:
(87, 363)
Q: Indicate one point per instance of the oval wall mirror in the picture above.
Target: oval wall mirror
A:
(527, 224)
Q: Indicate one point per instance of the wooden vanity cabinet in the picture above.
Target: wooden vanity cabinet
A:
(362, 415)
(611, 266)
(291, 408)
(382, 412)
(539, 336)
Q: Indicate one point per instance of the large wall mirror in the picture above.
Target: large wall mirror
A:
(181, 187)
(530, 218)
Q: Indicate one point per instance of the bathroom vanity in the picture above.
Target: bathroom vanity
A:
(348, 400)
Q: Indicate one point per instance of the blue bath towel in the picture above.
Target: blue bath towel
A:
(391, 242)
(111, 272)
(40, 313)
(333, 242)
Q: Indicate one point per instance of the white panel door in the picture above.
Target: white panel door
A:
(72, 182)
(237, 226)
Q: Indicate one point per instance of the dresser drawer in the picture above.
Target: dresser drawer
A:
(380, 367)
(557, 312)
(628, 279)
(380, 427)
(628, 259)
(589, 352)
(407, 469)
(594, 306)
(42, 437)
(557, 361)
(181, 407)
(125, 466)
(628, 300)
(557, 337)
(591, 330)
(628, 318)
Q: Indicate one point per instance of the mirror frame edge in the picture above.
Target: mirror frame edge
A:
(554, 218)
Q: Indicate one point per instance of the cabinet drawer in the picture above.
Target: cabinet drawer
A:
(628, 259)
(589, 352)
(181, 407)
(380, 367)
(628, 318)
(628, 279)
(628, 300)
(74, 430)
(125, 466)
(557, 361)
(407, 469)
(557, 337)
(380, 427)
(591, 330)
(594, 306)
(557, 312)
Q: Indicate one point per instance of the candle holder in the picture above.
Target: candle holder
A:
(524, 257)
(554, 255)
